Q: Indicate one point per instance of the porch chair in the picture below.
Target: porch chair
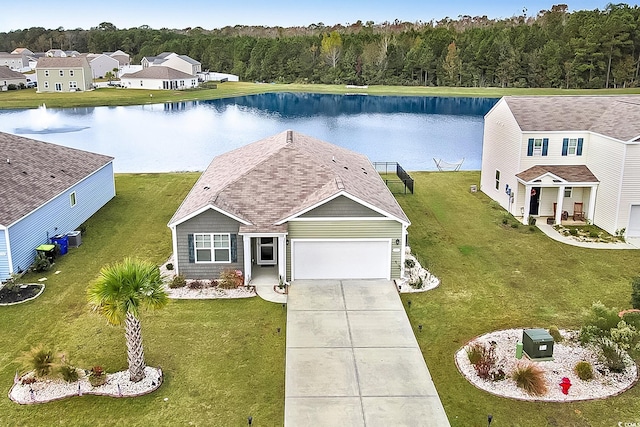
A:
(578, 214)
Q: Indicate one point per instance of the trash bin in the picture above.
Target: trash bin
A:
(48, 251)
(74, 238)
(62, 241)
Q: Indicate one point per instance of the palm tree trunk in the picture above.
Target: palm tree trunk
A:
(135, 351)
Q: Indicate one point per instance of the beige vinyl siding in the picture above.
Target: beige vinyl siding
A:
(605, 159)
(341, 206)
(209, 221)
(500, 151)
(554, 155)
(630, 193)
(349, 230)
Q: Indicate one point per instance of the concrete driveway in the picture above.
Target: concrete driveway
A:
(353, 359)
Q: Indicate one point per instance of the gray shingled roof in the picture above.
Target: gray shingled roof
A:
(188, 59)
(269, 180)
(570, 173)
(614, 116)
(59, 62)
(38, 171)
(158, 72)
(9, 74)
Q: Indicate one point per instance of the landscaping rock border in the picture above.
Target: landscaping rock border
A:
(42, 286)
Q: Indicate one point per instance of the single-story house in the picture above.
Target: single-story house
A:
(566, 156)
(294, 205)
(11, 77)
(47, 189)
(63, 74)
(159, 78)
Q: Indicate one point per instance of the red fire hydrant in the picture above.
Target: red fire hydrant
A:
(565, 384)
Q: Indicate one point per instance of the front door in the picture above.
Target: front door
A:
(534, 206)
(267, 250)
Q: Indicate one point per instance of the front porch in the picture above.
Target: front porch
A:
(264, 258)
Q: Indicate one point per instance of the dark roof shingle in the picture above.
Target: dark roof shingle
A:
(569, 173)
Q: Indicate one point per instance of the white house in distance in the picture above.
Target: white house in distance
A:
(101, 64)
(173, 60)
(158, 78)
(560, 156)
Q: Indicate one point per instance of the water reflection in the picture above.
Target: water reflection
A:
(187, 135)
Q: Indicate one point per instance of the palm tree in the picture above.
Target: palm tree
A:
(120, 292)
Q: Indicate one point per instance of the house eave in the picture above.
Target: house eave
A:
(205, 208)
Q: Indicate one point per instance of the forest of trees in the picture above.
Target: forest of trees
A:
(554, 48)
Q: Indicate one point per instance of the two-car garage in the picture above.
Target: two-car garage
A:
(341, 259)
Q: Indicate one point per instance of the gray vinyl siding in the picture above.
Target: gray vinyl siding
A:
(341, 207)
(209, 221)
(57, 216)
(349, 230)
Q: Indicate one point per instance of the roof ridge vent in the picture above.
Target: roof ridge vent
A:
(289, 136)
(339, 183)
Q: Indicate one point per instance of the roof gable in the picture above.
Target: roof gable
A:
(563, 173)
(33, 172)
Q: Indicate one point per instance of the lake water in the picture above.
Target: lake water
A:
(187, 135)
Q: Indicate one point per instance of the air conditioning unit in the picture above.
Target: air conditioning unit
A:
(74, 238)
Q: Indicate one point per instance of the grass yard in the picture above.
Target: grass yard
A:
(29, 98)
(223, 360)
(497, 277)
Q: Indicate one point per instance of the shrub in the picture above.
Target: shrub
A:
(530, 378)
(97, 376)
(169, 266)
(515, 224)
(635, 292)
(40, 359)
(573, 231)
(632, 318)
(599, 322)
(624, 335)
(230, 279)
(583, 370)
(505, 219)
(555, 333)
(417, 284)
(532, 228)
(196, 284)
(69, 373)
(474, 352)
(594, 234)
(178, 282)
(41, 263)
(409, 263)
(612, 355)
(483, 359)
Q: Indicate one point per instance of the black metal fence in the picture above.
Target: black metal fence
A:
(387, 168)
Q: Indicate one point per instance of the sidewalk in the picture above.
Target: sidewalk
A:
(552, 233)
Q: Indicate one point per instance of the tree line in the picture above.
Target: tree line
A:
(555, 48)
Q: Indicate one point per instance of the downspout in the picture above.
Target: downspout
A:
(174, 241)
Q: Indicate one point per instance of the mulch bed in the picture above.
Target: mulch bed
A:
(19, 293)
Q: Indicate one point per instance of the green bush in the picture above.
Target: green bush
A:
(612, 355)
(40, 359)
(632, 318)
(573, 231)
(555, 333)
(41, 263)
(594, 234)
(530, 378)
(624, 335)
(474, 352)
(635, 292)
(178, 282)
(69, 373)
(515, 224)
(169, 266)
(598, 322)
(409, 263)
(583, 370)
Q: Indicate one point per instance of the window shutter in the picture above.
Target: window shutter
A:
(579, 148)
(192, 251)
(530, 148)
(545, 146)
(565, 146)
(234, 248)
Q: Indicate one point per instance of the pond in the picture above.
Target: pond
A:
(185, 136)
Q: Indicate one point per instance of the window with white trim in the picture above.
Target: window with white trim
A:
(73, 85)
(72, 198)
(61, 72)
(497, 179)
(537, 147)
(70, 73)
(46, 85)
(568, 191)
(572, 147)
(46, 73)
(212, 247)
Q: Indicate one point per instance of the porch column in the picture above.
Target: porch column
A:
(282, 257)
(246, 243)
(592, 203)
(559, 200)
(527, 204)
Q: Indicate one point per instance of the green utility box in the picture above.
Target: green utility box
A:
(537, 343)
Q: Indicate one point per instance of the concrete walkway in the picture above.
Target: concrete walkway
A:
(353, 359)
(552, 233)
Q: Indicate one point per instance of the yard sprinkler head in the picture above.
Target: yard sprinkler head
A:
(420, 328)
(250, 420)
(489, 419)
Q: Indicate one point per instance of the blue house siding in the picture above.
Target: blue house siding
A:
(4, 256)
(58, 216)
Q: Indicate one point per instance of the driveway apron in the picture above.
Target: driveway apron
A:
(353, 359)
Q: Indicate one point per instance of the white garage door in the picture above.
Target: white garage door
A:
(343, 259)
(634, 222)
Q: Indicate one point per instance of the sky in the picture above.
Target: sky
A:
(72, 14)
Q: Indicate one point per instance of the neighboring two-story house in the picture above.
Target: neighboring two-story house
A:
(181, 63)
(101, 64)
(63, 74)
(566, 156)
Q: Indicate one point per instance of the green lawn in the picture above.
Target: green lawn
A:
(29, 98)
(496, 277)
(223, 360)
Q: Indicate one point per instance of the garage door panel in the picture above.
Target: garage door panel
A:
(634, 222)
(330, 259)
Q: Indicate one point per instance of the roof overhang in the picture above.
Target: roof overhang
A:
(204, 209)
(374, 208)
(552, 176)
